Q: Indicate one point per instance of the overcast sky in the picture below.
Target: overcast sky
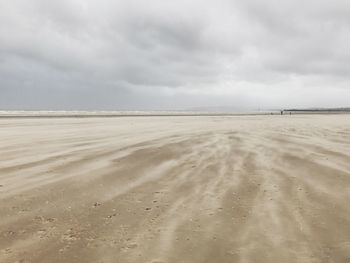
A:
(160, 54)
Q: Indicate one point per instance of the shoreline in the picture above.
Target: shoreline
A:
(97, 115)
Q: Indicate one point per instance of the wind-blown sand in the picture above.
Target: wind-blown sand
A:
(175, 189)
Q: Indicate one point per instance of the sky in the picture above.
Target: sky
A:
(166, 54)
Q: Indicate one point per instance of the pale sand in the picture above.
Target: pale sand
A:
(258, 189)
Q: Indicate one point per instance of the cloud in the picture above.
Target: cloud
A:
(161, 54)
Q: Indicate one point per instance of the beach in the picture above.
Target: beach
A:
(171, 189)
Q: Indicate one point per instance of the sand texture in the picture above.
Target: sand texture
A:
(252, 189)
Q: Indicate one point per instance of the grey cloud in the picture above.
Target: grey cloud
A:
(159, 54)
(304, 38)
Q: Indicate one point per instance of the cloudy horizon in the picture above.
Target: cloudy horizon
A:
(133, 55)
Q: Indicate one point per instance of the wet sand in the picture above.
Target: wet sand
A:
(175, 189)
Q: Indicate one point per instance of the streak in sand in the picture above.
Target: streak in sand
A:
(175, 189)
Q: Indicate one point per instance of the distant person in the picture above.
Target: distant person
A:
(281, 112)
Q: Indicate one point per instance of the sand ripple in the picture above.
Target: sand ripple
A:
(175, 189)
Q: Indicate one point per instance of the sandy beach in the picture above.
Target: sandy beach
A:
(220, 189)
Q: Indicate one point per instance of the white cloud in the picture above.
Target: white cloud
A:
(136, 54)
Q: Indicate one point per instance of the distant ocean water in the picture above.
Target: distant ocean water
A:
(44, 113)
